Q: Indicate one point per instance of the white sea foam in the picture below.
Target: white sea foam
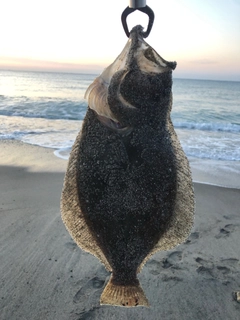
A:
(210, 126)
(210, 145)
(63, 153)
(55, 134)
(47, 109)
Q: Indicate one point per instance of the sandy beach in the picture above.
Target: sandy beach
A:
(45, 276)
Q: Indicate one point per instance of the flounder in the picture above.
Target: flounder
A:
(128, 190)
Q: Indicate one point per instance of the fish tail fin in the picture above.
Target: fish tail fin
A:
(125, 296)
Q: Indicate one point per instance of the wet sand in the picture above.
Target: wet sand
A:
(44, 275)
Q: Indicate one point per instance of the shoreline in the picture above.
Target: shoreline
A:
(44, 275)
(33, 157)
(217, 173)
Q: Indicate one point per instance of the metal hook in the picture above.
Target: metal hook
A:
(129, 10)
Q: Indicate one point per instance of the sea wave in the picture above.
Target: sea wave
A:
(59, 134)
(211, 126)
(43, 107)
(70, 110)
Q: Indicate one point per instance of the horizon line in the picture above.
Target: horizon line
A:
(91, 72)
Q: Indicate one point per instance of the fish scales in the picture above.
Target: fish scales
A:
(128, 189)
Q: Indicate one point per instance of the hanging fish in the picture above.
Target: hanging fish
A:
(128, 190)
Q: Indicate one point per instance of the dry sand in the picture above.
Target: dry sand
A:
(45, 276)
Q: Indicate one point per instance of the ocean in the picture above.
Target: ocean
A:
(47, 109)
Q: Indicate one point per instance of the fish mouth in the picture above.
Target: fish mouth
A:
(137, 54)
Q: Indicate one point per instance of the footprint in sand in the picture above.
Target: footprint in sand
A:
(172, 260)
(155, 267)
(194, 236)
(206, 268)
(232, 262)
(203, 262)
(222, 271)
(71, 245)
(88, 315)
(175, 257)
(166, 278)
(88, 289)
(229, 266)
(206, 272)
(226, 231)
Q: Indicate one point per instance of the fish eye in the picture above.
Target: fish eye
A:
(150, 55)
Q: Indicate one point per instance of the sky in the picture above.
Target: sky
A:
(203, 36)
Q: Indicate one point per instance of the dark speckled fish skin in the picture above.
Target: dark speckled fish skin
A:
(128, 189)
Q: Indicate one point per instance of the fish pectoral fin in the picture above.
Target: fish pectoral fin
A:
(114, 125)
(124, 296)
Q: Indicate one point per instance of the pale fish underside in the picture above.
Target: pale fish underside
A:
(180, 224)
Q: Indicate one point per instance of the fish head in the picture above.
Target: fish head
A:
(135, 89)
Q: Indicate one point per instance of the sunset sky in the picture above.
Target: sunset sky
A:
(203, 36)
